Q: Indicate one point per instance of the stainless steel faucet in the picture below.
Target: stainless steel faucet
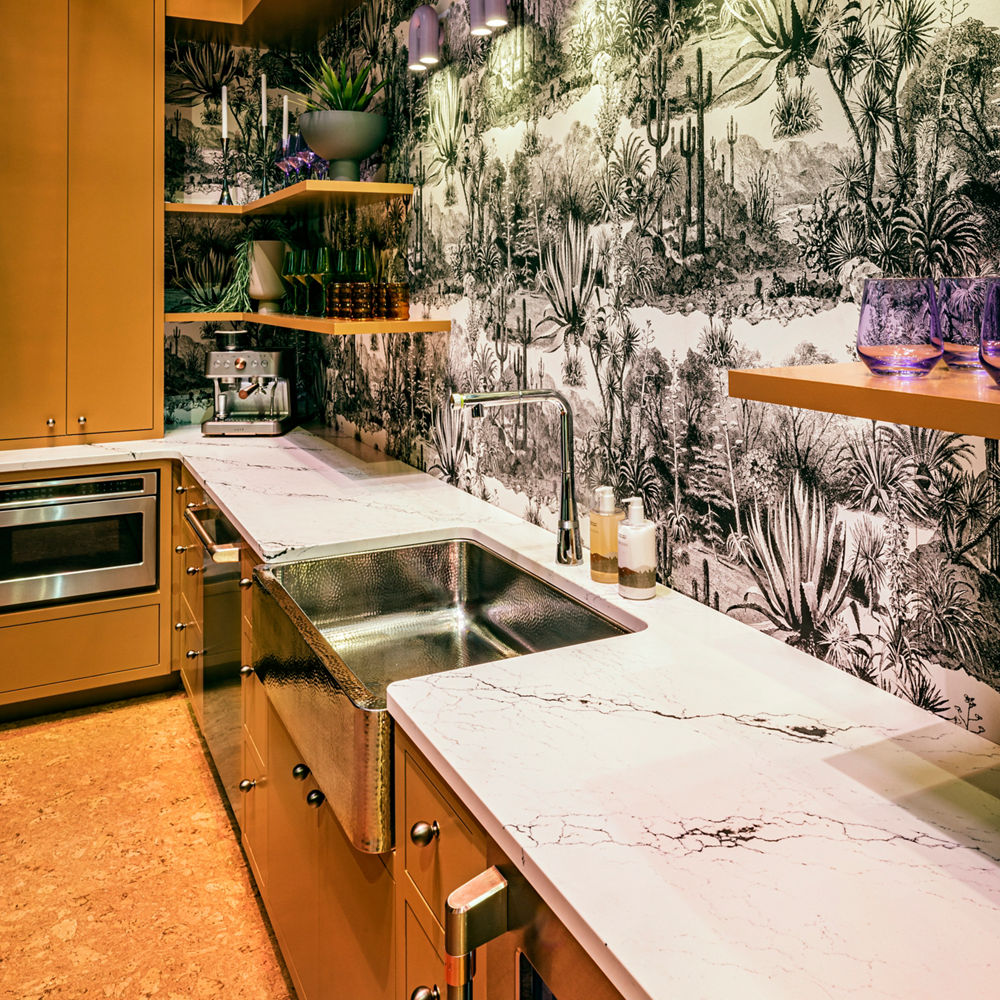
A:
(568, 547)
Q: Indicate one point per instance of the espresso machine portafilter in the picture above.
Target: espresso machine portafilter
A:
(253, 389)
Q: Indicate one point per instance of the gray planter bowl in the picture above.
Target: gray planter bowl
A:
(344, 138)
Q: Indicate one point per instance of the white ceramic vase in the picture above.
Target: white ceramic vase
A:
(265, 282)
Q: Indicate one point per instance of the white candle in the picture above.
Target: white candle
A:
(263, 101)
(225, 112)
(284, 119)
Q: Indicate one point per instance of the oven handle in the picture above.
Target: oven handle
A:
(475, 914)
(220, 553)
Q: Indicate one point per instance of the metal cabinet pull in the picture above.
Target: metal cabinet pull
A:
(300, 772)
(180, 489)
(246, 583)
(423, 834)
(50, 422)
(474, 914)
(81, 420)
(426, 993)
(246, 670)
(193, 654)
(193, 570)
(180, 626)
(180, 549)
(247, 785)
(315, 798)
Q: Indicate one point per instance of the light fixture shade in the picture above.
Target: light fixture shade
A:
(496, 13)
(425, 39)
(477, 19)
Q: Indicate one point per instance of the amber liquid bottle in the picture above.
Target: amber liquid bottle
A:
(604, 523)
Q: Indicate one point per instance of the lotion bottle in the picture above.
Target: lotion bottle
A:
(636, 554)
(604, 536)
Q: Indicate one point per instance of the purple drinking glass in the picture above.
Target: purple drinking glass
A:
(989, 340)
(960, 306)
(900, 330)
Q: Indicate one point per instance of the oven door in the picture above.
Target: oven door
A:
(68, 551)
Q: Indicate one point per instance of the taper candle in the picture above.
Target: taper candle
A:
(284, 120)
(225, 112)
(263, 101)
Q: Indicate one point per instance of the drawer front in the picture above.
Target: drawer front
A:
(254, 704)
(190, 571)
(423, 964)
(247, 562)
(65, 649)
(253, 821)
(453, 856)
(193, 667)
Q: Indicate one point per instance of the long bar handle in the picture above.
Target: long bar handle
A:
(229, 552)
(474, 914)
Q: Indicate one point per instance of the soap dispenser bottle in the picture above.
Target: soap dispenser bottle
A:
(604, 536)
(636, 554)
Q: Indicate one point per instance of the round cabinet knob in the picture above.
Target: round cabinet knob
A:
(315, 798)
(81, 420)
(193, 570)
(426, 993)
(193, 654)
(180, 490)
(247, 785)
(50, 422)
(246, 583)
(422, 834)
(179, 549)
(246, 670)
(240, 364)
(179, 626)
(300, 772)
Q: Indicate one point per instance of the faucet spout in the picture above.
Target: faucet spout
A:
(569, 549)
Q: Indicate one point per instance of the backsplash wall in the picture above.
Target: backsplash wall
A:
(625, 198)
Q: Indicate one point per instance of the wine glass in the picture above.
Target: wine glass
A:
(288, 268)
(989, 338)
(900, 330)
(283, 163)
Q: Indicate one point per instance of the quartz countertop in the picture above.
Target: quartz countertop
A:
(710, 812)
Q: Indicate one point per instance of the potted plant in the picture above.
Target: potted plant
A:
(337, 126)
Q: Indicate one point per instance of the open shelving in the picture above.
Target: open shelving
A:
(964, 402)
(313, 324)
(301, 195)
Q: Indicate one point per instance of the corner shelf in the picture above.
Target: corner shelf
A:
(312, 324)
(947, 400)
(302, 195)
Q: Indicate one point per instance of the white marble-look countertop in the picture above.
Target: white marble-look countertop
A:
(711, 813)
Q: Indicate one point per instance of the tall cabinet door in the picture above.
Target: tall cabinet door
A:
(33, 210)
(114, 121)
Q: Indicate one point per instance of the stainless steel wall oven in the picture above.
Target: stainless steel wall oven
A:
(75, 538)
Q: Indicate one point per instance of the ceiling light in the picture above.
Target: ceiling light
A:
(496, 13)
(425, 39)
(477, 19)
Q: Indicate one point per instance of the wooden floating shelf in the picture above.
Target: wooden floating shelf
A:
(312, 324)
(946, 400)
(304, 194)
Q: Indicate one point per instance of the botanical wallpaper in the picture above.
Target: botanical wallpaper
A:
(625, 198)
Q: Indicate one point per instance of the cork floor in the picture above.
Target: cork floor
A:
(120, 874)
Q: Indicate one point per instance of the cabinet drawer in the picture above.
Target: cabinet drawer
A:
(253, 822)
(453, 856)
(65, 649)
(254, 705)
(422, 961)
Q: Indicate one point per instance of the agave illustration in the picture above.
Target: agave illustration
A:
(797, 558)
(338, 90)
(567, 277)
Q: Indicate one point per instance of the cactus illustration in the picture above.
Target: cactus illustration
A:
(732, 134)
(723, 172)
(522, 334)
(688, 147)
(659, 106)
(715, 151)
(701, 103)
(704, 573)
(419, 180)
(722, 224)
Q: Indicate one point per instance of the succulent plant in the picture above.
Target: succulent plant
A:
(338, 90)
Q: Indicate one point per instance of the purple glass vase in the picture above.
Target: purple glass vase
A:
(989, 342)
(900, 330)
(960, 306)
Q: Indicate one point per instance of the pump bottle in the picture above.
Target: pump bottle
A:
(636, 554)
(604, 536)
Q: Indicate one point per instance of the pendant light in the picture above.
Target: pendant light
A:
(477, 19)
(496, 13)
(425, 39)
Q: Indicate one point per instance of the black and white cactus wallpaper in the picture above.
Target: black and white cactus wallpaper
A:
(625, 198)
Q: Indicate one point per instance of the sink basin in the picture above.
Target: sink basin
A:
(420, 609)
(346, 627)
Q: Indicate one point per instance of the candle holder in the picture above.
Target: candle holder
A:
(225, 198)
(265, 184)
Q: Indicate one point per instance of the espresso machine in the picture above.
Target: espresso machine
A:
(253, 389)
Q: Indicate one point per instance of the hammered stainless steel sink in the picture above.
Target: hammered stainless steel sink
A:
(331, 634)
